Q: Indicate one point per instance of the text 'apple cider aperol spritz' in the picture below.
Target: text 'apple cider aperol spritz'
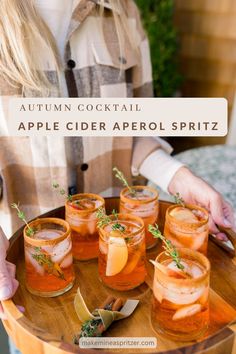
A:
(121, 261)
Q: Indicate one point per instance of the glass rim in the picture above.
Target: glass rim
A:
(88, 195)
(190, 207)
(126, 217)
(196, 256)
(54, 241)
(124, 198)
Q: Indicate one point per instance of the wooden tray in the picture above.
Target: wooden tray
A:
(49, 325)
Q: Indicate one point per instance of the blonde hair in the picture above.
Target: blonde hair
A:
(22, 32)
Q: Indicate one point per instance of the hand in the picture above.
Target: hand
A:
(8, 283)
(194, 190)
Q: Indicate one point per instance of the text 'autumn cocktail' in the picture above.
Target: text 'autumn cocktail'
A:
(180, 308)
(121, 260)
(81, 212)
(48, 257)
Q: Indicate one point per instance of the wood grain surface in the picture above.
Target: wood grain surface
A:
(49, 325)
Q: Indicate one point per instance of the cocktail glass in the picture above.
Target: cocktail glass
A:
(121, 261)
(187, 226)
(81, 215)
(48, 257)
(142, 203)
(180, 308)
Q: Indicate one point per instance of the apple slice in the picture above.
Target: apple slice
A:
(170, 272)
(132, 263)
(117, 255)
(187, 311)
(184, 214)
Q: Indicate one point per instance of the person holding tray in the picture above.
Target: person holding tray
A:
(80, 48)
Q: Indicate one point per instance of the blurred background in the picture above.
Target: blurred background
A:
(193, 49)
(193, 46)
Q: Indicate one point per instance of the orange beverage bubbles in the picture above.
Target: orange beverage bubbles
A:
(180, 308)
(121, 261)
(187, 227)
(144, 203)
(48, 257)
(81, 215)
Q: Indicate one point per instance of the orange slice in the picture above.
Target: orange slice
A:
(117, 255)
(187, 311)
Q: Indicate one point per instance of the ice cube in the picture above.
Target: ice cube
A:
(175, 242)
(61, 250)
(186, 311)
(179, 298)
(29, 258)
(67, 261)
(74, 220)
(142, 213)
(172, 265)
(48, 249)
(205, 296)
(92, 224)
(195, 271)
(98, 203)
(184, 214)
(158, 290)
(47, 234)
(198, 241)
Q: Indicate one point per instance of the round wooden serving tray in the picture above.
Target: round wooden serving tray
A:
(49, 325)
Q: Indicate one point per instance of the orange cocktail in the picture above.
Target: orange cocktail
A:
(121, 261)
(180, 308)
(81, 215)
(48, 257)
(187, 226)
(143, 202)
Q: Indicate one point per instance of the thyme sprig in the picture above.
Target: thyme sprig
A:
(179, 200)
(62, 191)
(104, 219)
(121, 177)
(91, 328)
(21, 215)
(44, 260)
(169, 248)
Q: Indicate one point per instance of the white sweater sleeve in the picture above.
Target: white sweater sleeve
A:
(159, 167)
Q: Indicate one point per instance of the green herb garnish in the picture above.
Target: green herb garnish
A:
(118, 227)
(169, 248)
(104, 219)
(115, 214)
(90, 328)
(62, 191)
(122, 178)
(44, 260)
(21, 215)
(179, 200)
